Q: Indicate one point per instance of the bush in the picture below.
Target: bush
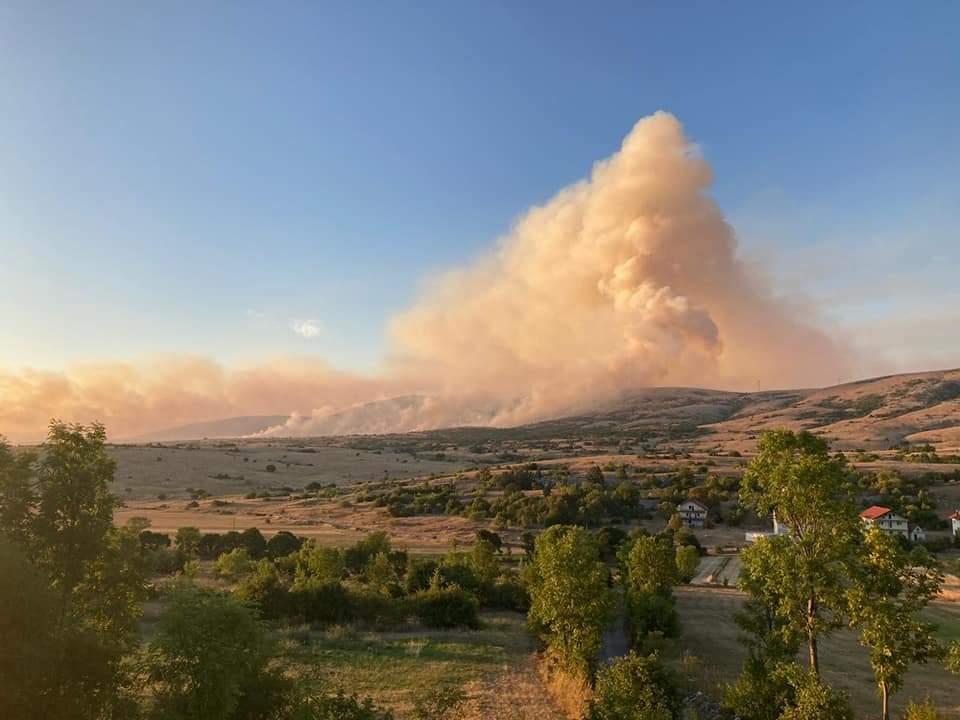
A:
(636, 688)
(270, 468)
(326, 604)
(234, 564)
(652, 612)
(446, 608)
(264, 590)
(921, 711)
(507, 593)
(338, 707)
(163, 561)
(439, 703)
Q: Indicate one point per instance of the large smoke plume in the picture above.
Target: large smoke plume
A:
(628, 279)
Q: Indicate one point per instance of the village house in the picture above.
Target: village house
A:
(917, 534)
(955, 523)
(885, 519)
(692, 514)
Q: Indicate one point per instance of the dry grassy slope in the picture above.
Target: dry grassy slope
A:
(871, 414)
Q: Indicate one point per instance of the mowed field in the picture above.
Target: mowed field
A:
(710, 634)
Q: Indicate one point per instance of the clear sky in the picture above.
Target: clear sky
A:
(211, 177)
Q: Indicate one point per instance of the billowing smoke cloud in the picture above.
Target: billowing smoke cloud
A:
(628, 279)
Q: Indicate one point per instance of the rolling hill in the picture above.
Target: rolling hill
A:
(869, 414)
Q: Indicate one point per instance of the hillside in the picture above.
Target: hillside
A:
(869, 414)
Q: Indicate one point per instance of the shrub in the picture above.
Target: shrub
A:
(439, 703)
(163, 561)
(921, 711)
(652, 612)
(338, 707)
(270, 467)
(636, 687)
(264, 589)
(234, 564)
(446, 608)
(325, 604)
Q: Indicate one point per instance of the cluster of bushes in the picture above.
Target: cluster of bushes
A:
(373, 584)
(423, 499)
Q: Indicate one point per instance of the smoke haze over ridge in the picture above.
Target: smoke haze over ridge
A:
(627, 279)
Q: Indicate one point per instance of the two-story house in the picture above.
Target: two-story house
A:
(692, 514)
(885, 519)
(955, 523)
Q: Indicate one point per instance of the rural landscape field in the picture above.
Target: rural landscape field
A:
(479, 361)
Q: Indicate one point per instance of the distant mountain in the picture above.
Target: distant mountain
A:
(233, 427)
(869, 414)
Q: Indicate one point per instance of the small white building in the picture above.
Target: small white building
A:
(917, 534)
(885, 519)
(955, 523)
(692, 514)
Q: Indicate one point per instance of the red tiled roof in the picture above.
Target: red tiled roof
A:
(955, 516)
(875, 512)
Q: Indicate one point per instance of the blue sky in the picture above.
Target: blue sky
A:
(194, 177)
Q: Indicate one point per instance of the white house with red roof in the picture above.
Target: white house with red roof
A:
(885, 519)
(955, 523)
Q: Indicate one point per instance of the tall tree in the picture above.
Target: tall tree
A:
(17, 493)
(651, 565)
(571, 602)
(92, 570)
(795, 476)
(890, 589)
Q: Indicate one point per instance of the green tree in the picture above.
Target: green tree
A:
(187, 540)
(317, 565)
(636, 688)
(18, 497)
(650, 566)
(571, 602)
(687, 560)
(890, 589)
(30, 650)
(234, 564)
(209, 660)
(254, 542)
(282, 544)
(794, 476)
(62, 515)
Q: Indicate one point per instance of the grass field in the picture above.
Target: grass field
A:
(710, 634)
(494, 665)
